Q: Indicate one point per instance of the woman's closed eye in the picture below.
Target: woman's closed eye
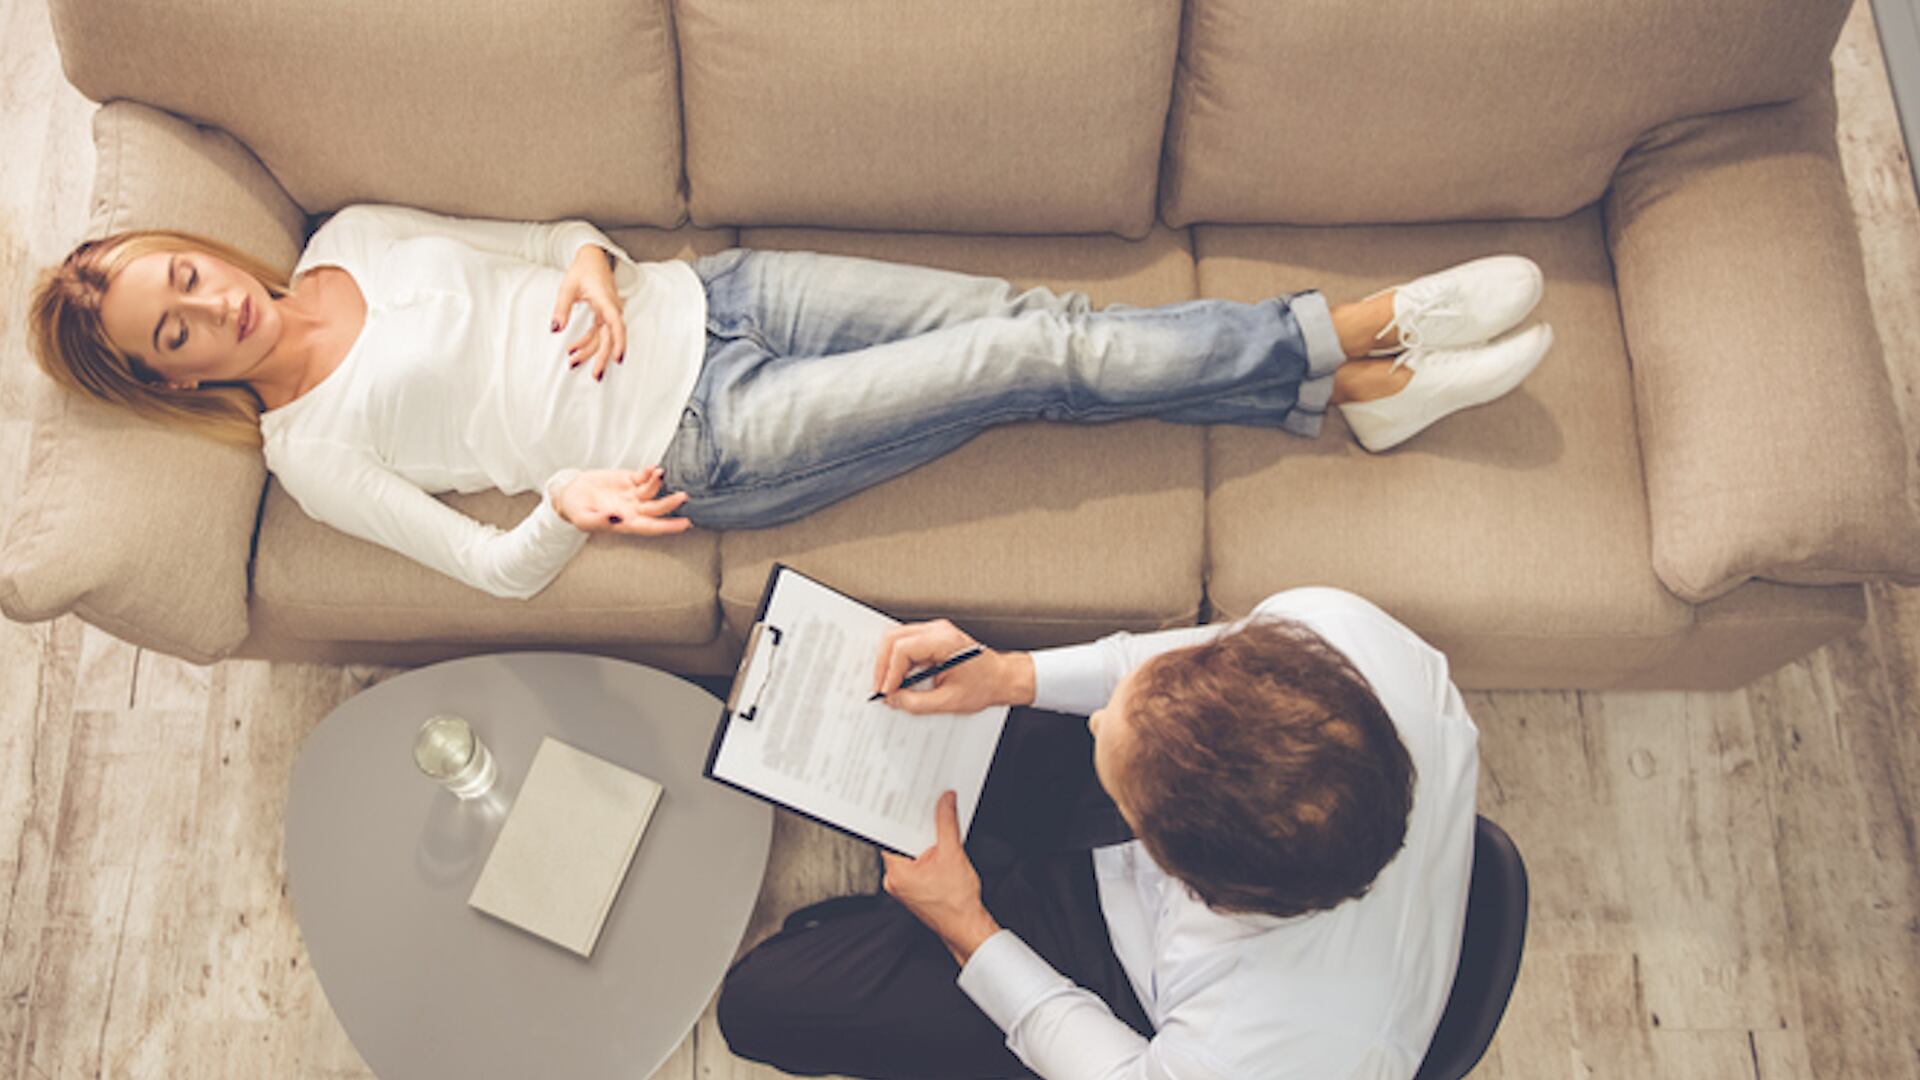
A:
(193, 278)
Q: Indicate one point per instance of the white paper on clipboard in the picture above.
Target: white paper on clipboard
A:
(801, 733)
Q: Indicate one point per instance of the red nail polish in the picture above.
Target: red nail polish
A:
(601, 374)
(556, 326)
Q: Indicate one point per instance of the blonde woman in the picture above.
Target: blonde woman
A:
(411, 354)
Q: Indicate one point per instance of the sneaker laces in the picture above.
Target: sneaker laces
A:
(1418, 307)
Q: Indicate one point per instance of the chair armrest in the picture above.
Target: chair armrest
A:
(142, 531)
(1768, 432)
(146, 532)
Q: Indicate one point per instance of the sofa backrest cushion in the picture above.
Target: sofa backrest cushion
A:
(1327, 112)
(1001, 116)
(490, 108)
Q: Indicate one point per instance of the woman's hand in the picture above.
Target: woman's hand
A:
(620, 501)
(992, 678)
(590, 278)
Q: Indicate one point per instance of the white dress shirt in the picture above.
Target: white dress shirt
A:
(457, 382)
(1354, 991)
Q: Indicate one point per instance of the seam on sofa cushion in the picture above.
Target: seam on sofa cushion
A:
(1158, 621)
(116, 120)
(322, 607)
(1597, 635)
(1189, 614)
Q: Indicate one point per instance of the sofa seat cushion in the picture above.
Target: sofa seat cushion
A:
(313, 581)
(1513, 536)
(1033, 533)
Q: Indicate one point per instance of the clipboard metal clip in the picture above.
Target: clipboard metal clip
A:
(756, 664)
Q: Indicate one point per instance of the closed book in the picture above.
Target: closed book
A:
(565, 846)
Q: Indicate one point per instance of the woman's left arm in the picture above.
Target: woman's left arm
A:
(590, 281)
(553, 243)
(599, 273)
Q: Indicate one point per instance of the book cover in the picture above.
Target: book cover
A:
(566, 845)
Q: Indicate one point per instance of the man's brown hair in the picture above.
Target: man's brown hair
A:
(1263, 772)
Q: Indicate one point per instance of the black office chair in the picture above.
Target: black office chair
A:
(1489, 957)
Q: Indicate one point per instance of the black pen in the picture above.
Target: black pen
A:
(949, 663)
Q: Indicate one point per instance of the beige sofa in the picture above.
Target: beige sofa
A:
(1688, 492)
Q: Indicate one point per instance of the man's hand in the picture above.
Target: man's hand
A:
(992, 678)
(941, 888)
(590, 278)
(620, 501)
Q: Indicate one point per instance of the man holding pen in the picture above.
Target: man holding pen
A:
(1252, 861)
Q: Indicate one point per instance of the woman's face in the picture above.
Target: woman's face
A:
(191, 316)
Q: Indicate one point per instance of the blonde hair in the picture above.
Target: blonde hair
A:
(69, 340)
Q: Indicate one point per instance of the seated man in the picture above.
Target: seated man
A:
(1301, 786)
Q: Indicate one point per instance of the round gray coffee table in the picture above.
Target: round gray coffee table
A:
(380, 860)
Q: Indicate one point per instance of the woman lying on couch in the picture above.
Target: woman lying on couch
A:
(412, 353)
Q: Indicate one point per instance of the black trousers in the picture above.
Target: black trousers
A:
(860, 987)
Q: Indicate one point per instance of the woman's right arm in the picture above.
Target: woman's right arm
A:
(350, 490)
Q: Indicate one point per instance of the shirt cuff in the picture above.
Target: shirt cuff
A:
(557, 536)
(1071, 679)
(1007, 979)
(626, 272)
(596, 243)
(547, 507)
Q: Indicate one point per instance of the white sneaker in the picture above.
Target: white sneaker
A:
(1467, 304)
(1446, 381)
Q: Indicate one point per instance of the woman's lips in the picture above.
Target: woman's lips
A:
(246, 310)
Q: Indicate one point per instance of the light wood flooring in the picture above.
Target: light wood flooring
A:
(1725, 885)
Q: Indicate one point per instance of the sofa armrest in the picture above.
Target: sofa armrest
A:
(142, 531)
(146, 532)
(1768, 433)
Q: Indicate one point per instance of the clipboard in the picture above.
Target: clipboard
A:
(774, 664)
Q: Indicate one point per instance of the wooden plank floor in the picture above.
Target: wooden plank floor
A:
(1725, 885)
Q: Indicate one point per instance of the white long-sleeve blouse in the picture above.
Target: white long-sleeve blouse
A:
(458, 383)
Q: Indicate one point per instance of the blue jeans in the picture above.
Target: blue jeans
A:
(825, 375)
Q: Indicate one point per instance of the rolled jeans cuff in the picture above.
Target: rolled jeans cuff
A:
(1324, 355)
